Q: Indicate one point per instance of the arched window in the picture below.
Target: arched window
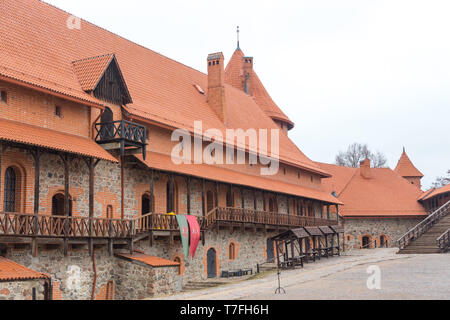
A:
(232, 251)
(58, 205)
(9, 204)
(109, 212)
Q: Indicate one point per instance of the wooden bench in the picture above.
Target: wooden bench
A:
(231, 273)
(327, 250)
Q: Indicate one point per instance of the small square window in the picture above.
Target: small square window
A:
(3, 96)
(58, 111)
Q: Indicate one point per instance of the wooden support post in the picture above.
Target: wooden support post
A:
(171, 197)
(254, 199)
(203, 198)
(188, 194)
(36, 153)
(242, 198)
(278, 253)
(217, 194)
(65, 160)
(264, 201)
(110, 247)
(91, 165)
(152, 191)
(328, 212)
(122, 187)
(231, 196)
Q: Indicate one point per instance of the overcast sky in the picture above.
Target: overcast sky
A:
(375, 72)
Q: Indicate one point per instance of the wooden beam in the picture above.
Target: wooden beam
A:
(188, 194)
(203, 198)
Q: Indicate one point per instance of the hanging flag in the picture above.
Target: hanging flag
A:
(194, 228)
(184, 231)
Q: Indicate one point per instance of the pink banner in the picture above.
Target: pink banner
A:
(194, 235)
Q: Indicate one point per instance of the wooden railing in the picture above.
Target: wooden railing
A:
(45, 226)
(444, 241)
(423, 226)
(28, 225)
(120, 130)
(264, 218)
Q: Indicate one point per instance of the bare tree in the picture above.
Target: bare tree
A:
(442, 181)
(358, 152)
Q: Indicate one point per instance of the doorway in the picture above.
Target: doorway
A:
(211, 263)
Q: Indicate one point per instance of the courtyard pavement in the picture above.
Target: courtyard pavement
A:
(401, 277)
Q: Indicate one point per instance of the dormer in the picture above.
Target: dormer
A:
(101, 76)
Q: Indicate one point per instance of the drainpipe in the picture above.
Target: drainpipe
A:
(94, 284)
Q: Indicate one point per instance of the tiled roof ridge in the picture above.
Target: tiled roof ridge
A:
(349, 180)
(95, 57)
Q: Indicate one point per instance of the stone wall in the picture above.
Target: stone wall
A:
(22, 290)
(135, 280)
(391, 228)
(72, 276)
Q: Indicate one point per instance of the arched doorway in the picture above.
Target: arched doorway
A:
(58, 205)
(269, 250)
(10, 198)
(209, 201)
(211, 263)
(365, 242)
(383, 241)
(107, 126)
(180, 271)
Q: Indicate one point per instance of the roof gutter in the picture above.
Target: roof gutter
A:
(51, 92)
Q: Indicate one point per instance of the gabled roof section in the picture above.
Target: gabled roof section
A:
(151, 261)
(386, 194)
(405, 167)
(12, 271)
(233, 76)
(90, 72)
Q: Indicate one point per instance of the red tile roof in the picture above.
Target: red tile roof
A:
(90, 70)
(405, 167)
(149, 260)
(36, 46)
(233, 76)
(164, 162)
(12, 271)
(55, 140)
(434, 192)
(384, 194)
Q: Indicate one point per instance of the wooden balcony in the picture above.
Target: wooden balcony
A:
(126, 136)
(262, 218)
(45, 226)
(42, 226)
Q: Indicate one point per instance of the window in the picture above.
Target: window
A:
(231, 251)
(58, 111)
(109, 212)
(3, 96)
(9, 204)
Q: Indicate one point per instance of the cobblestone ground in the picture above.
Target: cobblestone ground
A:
(402, 277)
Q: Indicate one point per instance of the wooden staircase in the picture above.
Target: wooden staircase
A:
(429, 236)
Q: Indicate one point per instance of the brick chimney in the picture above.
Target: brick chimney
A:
(247, 71)
(365, 169)
(216, 85)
